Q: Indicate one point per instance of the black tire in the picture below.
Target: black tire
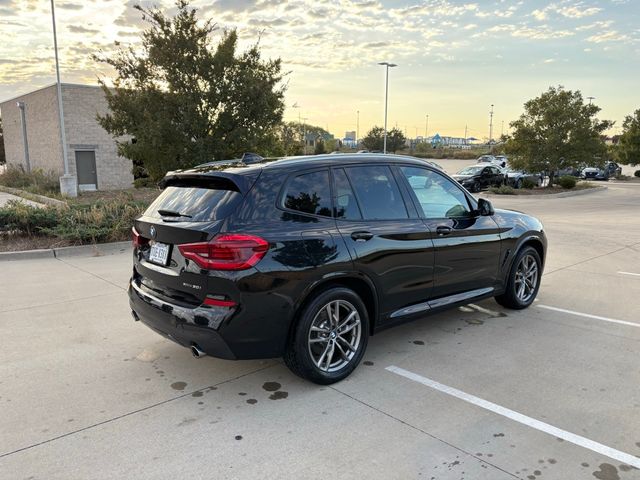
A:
(298, 353)
(476, 187)
(510, 297)
(519, 184)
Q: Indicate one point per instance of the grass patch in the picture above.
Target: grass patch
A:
(37, 181)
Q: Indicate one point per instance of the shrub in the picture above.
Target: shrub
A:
(25, 219)
(503, 190)
(636, 173)
(528, 183)
(567, 182)
(101, 222)
(36, 181)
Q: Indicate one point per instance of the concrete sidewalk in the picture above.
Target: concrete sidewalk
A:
(7, 197)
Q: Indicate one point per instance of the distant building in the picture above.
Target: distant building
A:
(454, 142)
(92, 152)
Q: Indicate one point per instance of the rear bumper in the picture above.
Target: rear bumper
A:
(185, 326)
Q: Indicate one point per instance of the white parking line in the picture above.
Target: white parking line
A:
(520, 418)
(588, 315)
(629, 273)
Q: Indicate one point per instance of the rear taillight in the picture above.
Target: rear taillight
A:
(230, 251)
(137, 239)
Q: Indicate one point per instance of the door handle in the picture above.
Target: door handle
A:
(362, 236)
(443, 230)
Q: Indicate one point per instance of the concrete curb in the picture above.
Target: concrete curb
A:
(549, 195)
(33, 197)
(98, 250)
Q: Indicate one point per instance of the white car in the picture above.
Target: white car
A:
(500, 160)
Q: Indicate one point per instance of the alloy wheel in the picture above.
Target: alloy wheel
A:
(526, 279)
(334, 335)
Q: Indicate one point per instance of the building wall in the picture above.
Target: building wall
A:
(43, 134)
(81, 105)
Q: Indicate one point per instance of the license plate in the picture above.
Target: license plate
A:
(159, 253)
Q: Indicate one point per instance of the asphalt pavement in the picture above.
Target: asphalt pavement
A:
(479, 392)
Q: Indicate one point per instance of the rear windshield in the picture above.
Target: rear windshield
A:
(194, 204)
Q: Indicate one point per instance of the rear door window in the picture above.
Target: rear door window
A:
(309, 193)
(377, 193)
(194, 204)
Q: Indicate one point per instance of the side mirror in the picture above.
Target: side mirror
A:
(485, 209)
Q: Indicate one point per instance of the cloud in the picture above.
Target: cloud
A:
(611, 36)
(81, 29)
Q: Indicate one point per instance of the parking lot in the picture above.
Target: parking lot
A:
(479, 392)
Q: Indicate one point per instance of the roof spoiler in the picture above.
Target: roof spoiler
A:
(228, 181)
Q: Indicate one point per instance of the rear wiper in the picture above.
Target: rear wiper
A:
(172, 213)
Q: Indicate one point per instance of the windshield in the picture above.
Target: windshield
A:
(470, 170)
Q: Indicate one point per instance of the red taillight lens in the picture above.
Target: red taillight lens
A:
(218, 302)
(230, 251)
(137, 239)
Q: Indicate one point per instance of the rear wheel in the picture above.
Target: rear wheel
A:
(523, 281)
(330, 337)
(519, 183)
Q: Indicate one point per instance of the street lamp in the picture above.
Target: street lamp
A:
(67, 181)
(357, 127)
(426, 129)
(386, 100)
(590, 99)
(491, 125)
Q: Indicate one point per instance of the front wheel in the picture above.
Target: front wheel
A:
(519, 184)
(330, 337)
(523, 282)
(476, 187)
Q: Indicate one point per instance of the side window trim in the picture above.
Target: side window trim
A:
(280, 202)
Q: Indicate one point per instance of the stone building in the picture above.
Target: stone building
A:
(92, 152)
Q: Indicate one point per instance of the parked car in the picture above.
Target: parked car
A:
(515, 177)
(307, 257)
(477, 177)
(502, 160)
(610, 169)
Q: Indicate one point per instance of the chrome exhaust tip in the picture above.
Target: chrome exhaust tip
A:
(196, 352)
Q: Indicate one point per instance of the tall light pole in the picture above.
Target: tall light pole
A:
(502, 129)
(590, 99)
(426, 129)
(67, 182)
(304, 133)
(491, 124)
(386, 100)
(357, 127)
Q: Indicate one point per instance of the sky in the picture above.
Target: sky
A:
(455, 57)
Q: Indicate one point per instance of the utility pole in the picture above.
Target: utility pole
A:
(357, 127)
(465, 134)
(426, 129)
(491, 124)
(502, 129)
(590, 99)
(67, 181)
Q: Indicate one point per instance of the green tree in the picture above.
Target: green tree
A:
(319, 148)
(628, 149)
(557, 130)
(187, 101)
(374, 139)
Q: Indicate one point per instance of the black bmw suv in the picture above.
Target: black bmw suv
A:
(306, 257)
